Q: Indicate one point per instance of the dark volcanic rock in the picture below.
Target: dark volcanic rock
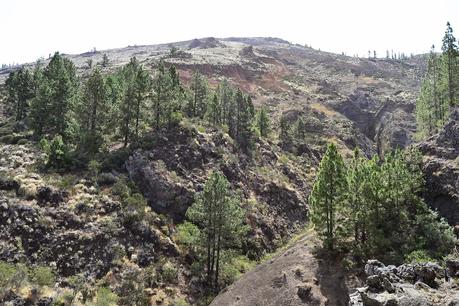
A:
(162, 193)
(441, 168)
(48, 195)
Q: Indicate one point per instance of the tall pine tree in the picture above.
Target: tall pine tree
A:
(326, 196)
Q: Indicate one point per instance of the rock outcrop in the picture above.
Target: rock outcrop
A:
(441, 168)
(420, 284)
(176, 164)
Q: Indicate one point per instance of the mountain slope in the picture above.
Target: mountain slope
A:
(77, 223)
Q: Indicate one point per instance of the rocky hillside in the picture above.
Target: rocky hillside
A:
(300, 276)
(356, 101)
(85, 224)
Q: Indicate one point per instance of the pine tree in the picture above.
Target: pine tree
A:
(284, 134)
(105, 60)
(326, 196)
(431, 106)
(93, 112)
(450, 53)
(244, 119)
(221, 218)
(263, 123)
(135, 83)
(226, 97)
(197, 107)
(20, 87)
(300, 129)
(52, 109)
(214, 110)
(162, 85)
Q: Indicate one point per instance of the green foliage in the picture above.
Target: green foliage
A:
(105, 297)
(94, 168)
(198, 101)
(135, 84)
(42, 276)
(179, 302)
(134, 208)
(188, 235)
(105, 60)
(56, 152)
(169, 273)
(378, 207)
(418, 256)
(234, 266)
(7, 271)
(326, 196)
(20, 87)
(440, 87)
(56, 95)
(263, 123)
(131, 291)
(93, 111)
(121, 189)
(220, 217)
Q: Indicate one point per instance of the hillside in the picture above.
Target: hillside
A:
(77, 222)
(358, 101)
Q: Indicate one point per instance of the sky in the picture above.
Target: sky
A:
(35, 28)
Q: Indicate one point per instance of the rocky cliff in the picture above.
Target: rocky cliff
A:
(441, 168)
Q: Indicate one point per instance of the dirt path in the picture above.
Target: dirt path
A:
(279, 280)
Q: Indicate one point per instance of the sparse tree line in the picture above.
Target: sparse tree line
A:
(372, 207)
(87, 114)
(440, 87)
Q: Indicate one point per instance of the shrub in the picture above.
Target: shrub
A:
(187, 234)
(22, 141)
(94, 168)
(151, 276)
(134, 208)
(417, 257)
(56, 151)
(233, 266)
(106, 178)
(42, 276)
(105, 297)
(7, 271)
(169, 273)
(132, 289)
(179, 302)
(115, 160)
(120, 189)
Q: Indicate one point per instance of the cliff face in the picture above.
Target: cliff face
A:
(441, 168)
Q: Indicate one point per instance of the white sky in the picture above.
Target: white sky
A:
(34, 28)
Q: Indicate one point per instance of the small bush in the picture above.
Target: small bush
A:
(169, 273)
(151, 276)
(134, 208)
(105, 297)
(94, 168)
(115, 160)
(179, 302)
(7, 271)
(120, 189)
(418, 256)
(187, 234)
(23, 141)
(56, 151)
(106, 178)
(42, 276)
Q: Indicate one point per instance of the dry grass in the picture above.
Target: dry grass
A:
(324, 109)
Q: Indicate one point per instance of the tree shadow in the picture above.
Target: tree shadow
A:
(334, 281)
